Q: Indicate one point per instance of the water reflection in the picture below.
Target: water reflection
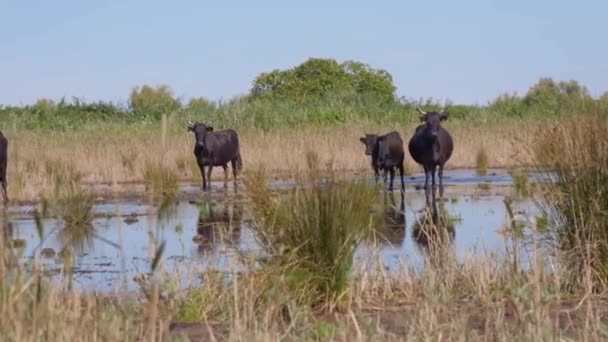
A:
(7, 229)
(218, 223)
(392, 231)
(433, 227)
(78, 237)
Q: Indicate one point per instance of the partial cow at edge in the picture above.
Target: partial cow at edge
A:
(431, 146)
(3, 164)
(215, 149)
(387, 154)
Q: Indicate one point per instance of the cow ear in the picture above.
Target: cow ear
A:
(423, 117)
(209, 129)
(443, 117)
(363, 140)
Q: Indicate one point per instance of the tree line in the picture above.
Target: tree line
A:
(318, 91)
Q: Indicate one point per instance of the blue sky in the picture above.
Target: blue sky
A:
(465, 51)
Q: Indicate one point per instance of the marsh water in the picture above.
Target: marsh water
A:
(211, 229)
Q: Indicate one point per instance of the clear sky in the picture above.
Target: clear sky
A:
(465, 51)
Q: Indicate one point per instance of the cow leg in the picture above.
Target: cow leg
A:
(427, 189)
(376, 173)
(384, 177)
(202, 169)
(209, 176)
(4, 194)
(234, 172)
(225, 167)
(441, 181)
(392, 171)
(401, 171)
(433, 172)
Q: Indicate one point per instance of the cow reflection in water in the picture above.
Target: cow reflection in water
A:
(218, 222)
(434, 231)
(392, 231)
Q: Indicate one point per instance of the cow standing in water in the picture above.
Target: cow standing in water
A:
(431, 146)
(387, 154)
(3, 164)
(215, 149)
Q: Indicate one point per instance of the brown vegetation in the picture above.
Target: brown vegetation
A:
(125, 155)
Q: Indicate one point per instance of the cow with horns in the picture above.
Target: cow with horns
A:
(215, 148)
(431, 146)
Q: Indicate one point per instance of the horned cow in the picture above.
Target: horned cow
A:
(431, 146)
(215, 149)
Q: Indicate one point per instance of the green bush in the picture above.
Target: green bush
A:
(318, 92)
(151, 103)
(317, 78)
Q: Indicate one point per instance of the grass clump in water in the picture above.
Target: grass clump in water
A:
(70, 203)
(160, 179)
(76, 209)
(520, 183)
(481, 161)
(573, 156)
(435, 226)
(311, 233)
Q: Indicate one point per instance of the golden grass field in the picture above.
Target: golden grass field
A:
(118, 155)
(480, 300)
(475, 297)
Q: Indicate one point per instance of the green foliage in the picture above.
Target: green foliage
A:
(509, 105)
(603, 102)
(62, 115)
(317, 78)
(152, 103)
(559, 97)
(199, 107)
(318, 92)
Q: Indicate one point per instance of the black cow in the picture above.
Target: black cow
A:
(431, 146)
(387, 154)
(3, 164)
(216, 149)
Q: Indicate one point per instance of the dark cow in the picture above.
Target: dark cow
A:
(216, 149)
(3, 164)
(431, 146)
(387, 154)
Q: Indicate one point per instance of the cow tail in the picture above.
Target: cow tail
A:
(239, 161)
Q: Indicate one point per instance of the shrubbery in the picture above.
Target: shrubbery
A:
(316, 92)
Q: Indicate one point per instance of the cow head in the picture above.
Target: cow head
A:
(432, 121)
(200, 130)
(369, 140)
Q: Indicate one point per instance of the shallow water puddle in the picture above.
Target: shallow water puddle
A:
(125, 235)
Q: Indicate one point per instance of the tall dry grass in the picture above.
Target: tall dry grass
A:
(256, 298)
(311, 233)
(574, 156)
(127, 154)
